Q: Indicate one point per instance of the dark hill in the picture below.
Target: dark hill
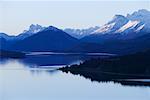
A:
(50, 39)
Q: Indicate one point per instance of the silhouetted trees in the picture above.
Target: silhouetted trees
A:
(138, 63)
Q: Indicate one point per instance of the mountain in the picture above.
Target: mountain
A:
(112, 26)
(3, 43)
(80, 33)
(116, 46)
(122, 27)
(8, 40)
(33, 29)
(7, 37)
(121, 35)
(49, 39)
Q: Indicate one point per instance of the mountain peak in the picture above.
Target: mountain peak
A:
(142, 12)
(113, 25)
(141, 15)
(34, 28)
(51, 28)
(138, 20)
(118, 18)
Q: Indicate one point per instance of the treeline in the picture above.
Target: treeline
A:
(138, 63)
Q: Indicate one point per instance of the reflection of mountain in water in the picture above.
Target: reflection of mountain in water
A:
(14, 65)
(39, 71)
(55, 59)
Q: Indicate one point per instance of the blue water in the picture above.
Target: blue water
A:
(52, 59)
(19, 80)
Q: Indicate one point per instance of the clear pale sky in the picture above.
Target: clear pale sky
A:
(16, 16)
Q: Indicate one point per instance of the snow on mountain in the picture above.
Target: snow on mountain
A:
(140, 15)
(105, 28)
(34, 28)
(79, 33)
(132, 23)
(140, 28)
(49, 39)
(138, 21)
(112, 26)
(143, 16)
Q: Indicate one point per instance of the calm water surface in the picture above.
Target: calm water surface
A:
(22, 81)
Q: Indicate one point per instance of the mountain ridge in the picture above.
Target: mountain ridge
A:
(132, 36)
(131, 26)
(49, 39)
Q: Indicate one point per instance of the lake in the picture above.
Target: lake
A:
(36, 78)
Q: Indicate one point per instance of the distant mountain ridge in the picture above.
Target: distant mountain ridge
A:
(125, 27)
(121, 35)
(49, 39)
(33, 29)
(136, 22)
(80, 33)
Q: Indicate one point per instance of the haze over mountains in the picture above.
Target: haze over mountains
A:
(122, 34)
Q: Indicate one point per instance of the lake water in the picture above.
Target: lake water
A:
(26, 80)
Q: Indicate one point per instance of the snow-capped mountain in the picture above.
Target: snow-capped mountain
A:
(122, 27)
(129, 25)
(33, 29)
(80, 33)
(112, 26)
(49, 39)
(143, 17)
(132, 23)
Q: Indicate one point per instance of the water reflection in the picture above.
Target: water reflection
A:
(25, 83)
(54, 59)
(14, 64)
(101, 77)
(104, 79)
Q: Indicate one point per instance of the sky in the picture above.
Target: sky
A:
(17, 15)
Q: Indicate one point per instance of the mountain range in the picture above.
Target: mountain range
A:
(80, 33)
(49, 39)
(122, 34)
(122, 27)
